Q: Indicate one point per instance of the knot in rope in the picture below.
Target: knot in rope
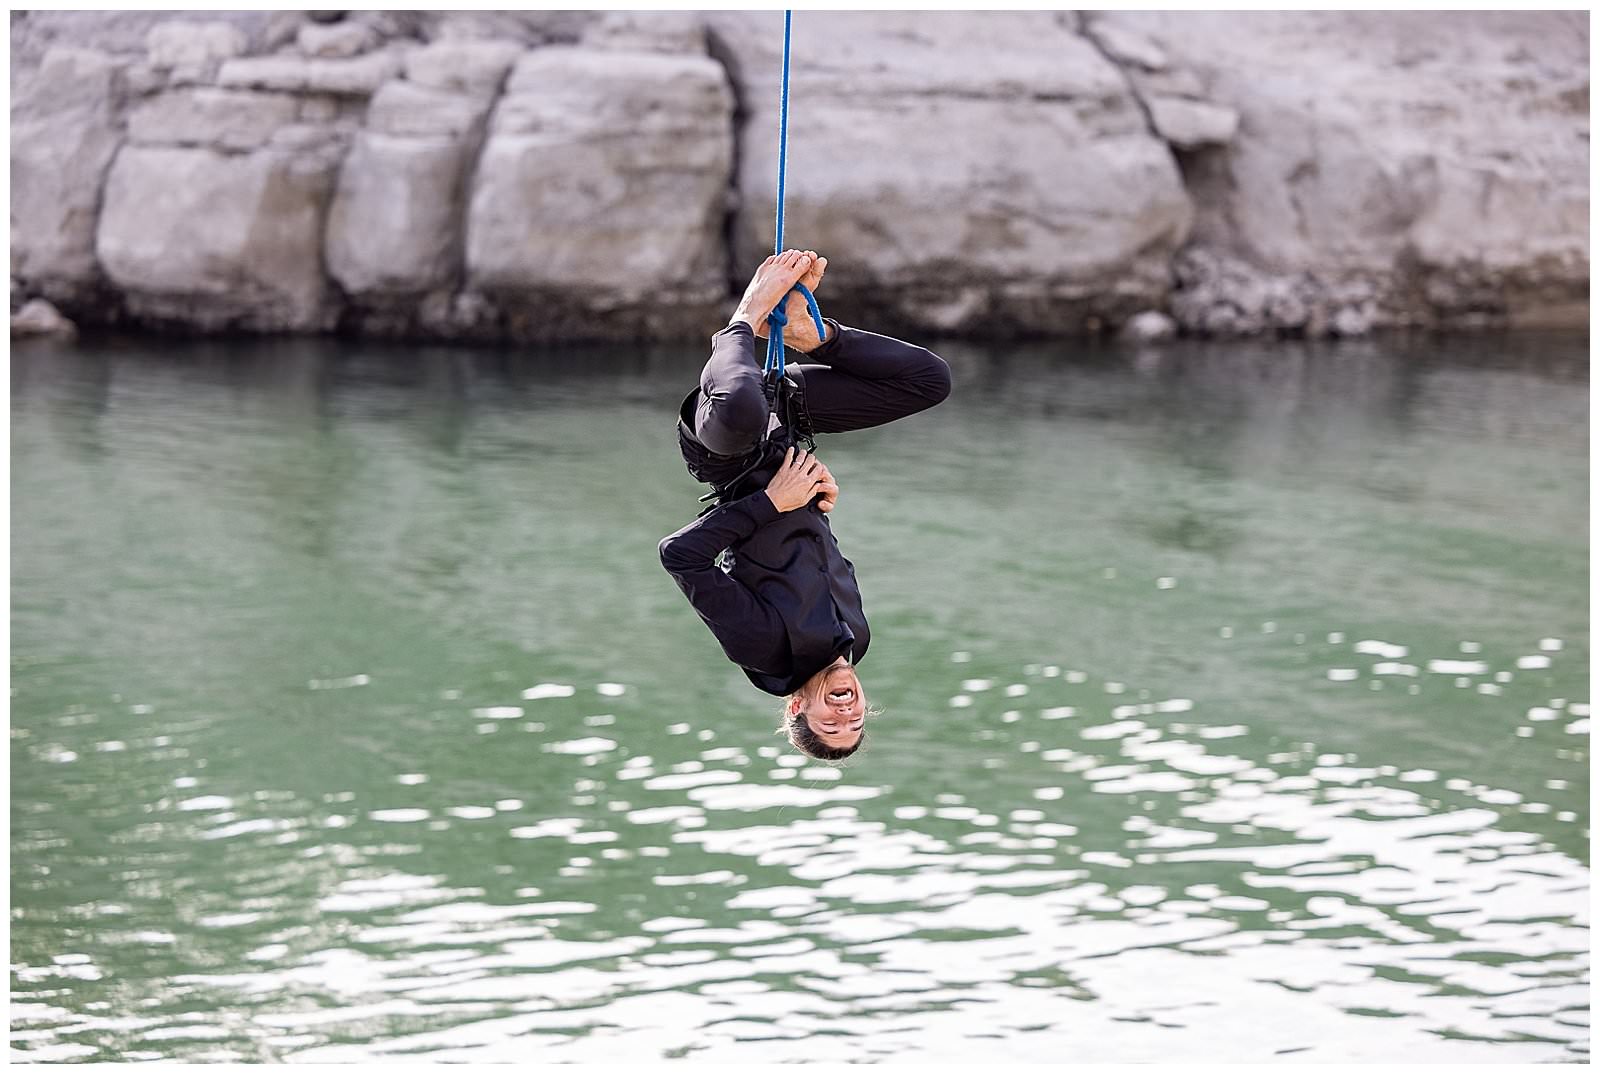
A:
(777, 319)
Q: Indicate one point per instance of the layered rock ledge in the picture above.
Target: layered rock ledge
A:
(541, 176)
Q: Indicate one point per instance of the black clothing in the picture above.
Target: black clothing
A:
(787, 603)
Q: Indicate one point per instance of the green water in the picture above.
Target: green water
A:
(1235, 708)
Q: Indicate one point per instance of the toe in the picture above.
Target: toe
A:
(813, 273)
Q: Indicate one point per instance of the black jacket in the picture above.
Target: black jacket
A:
(788, 602)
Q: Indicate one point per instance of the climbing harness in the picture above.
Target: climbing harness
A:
(796, 419)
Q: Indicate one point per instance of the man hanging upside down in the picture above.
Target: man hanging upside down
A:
(784, 603)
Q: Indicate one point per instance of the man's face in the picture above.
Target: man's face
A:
(837, 710)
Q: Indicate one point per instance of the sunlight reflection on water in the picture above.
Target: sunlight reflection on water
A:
(1339, 892)
(1218, 820)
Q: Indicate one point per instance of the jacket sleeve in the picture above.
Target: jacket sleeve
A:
(749, 630)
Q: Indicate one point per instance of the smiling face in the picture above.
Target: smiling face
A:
(833, 705)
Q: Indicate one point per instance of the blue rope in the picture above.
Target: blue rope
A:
(773, 367)
(783, 126)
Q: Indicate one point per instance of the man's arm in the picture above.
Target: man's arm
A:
(750, 632)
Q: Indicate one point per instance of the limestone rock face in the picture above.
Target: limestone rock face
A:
(397, 216)
(214, 210)
(582, 174)
(227, 119)
(190, 50)
(1127, 46)
(465, 66)
(393, 223)
(1149, 326)
(526, 29)
(359, 76)
(405, 109)
(342, 39)
(38, 317)
(217, 240)
(1440, 157)
(123, 33)
(1191, 124)
(63, 137)
(654, 31)
(991, 173)
(604, 181)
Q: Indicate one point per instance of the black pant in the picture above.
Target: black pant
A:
(856, 380)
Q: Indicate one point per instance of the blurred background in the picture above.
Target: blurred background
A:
(1230, 618)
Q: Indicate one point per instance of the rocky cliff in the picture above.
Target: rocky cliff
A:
(571, 175)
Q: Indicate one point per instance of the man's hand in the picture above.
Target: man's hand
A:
(773, 279)
(830, 490)
(800, 477)
(800, 333)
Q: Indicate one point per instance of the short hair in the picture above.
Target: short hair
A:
(804, 739)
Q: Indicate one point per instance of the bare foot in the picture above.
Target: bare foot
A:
(800, 332)
(773, 279)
